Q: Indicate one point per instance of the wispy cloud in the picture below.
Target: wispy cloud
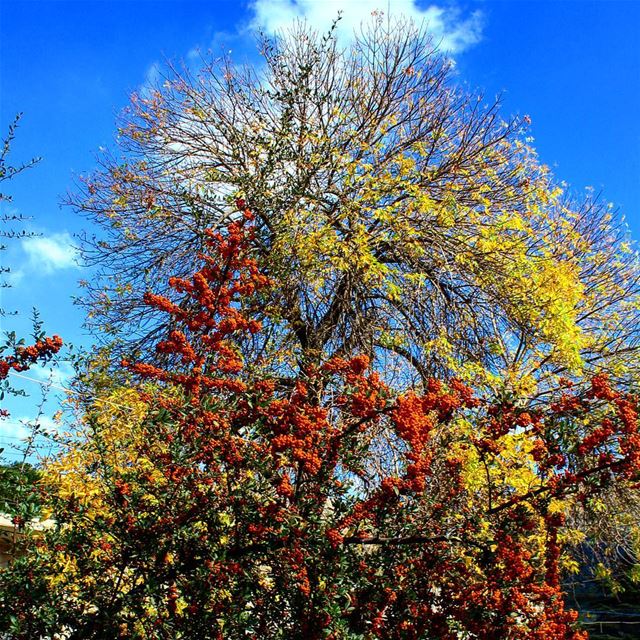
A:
(58, 375)
(13, 429)
(151, 79)
(15, 432)
(14, 277)
(50, 253)
(221, 43)
(449, 27)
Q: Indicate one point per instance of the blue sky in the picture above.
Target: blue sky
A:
(573, 66)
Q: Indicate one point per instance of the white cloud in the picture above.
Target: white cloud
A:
(151, 80)
(13, 429)
(449, 28)
(14, 433)
(50, 253)
(221, 43)
(59, 375)
(14, 277)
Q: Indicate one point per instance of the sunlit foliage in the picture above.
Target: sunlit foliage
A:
(216, 499)
(404, 217)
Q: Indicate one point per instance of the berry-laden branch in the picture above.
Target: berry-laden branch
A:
(221, 503)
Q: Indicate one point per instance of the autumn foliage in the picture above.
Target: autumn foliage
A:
(25, 356)
(217, 497)
(397, 210)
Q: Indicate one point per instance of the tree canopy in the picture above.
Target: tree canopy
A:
(408, 219)
(210, 500)
(369, 371)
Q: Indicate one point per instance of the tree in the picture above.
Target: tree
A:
(211, 500)
(407, 219)
(18, 497)
(606, 545)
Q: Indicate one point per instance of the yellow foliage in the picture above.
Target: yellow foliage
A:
(117, 418)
